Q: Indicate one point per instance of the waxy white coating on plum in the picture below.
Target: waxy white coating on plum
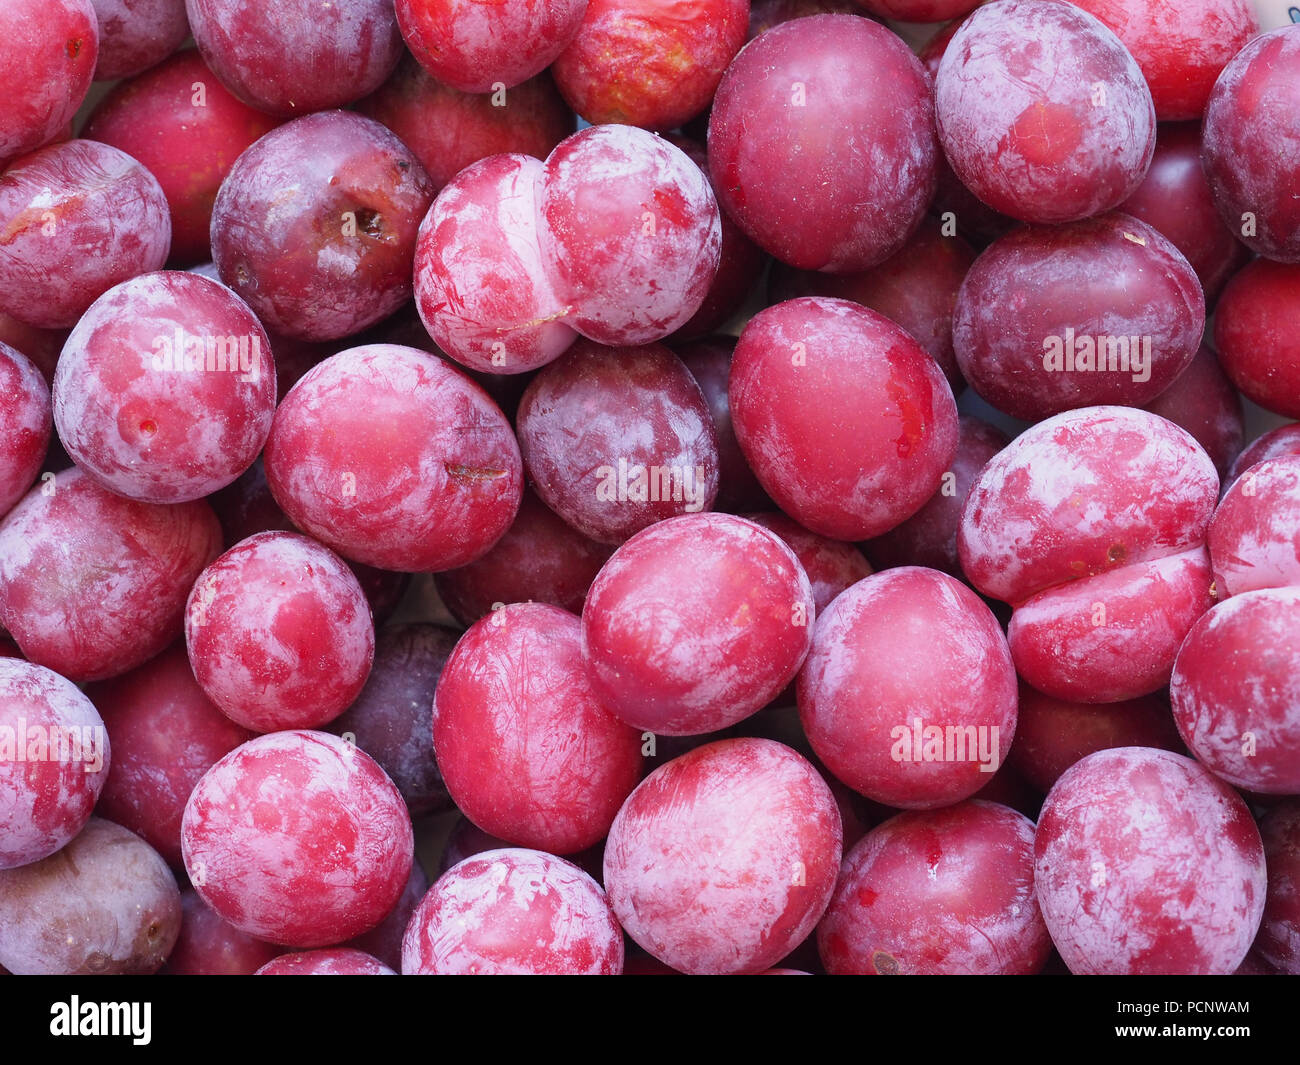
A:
(696, 623)
(315, 225)
(1252, 539)
(822, 143)
(51, 50)
(298, 838)
(481, 285)
(944, 892)
(476, 46)
(46, 794)
(1081, 493)
(1145, 863)
(25, 423)
(890, 651)
(1236, 690)
(563, 281)
(1112, 636)
(297, 56)
(80, 217)
(392, 458)
(136, 34)
(599, 421)
(1041, 291)
(527, 751)
(157, 420)
(337, 961)
(1251, 145)
(631, 233)
(1093, 523)
(513, 912)
(723, 860)
(846, 420)
(93, 584)
(1042, 112)
(279, 633)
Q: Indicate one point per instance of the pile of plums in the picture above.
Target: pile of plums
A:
(607, 486)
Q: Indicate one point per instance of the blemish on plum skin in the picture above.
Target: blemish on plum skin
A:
(913, 421)
(370, 222)
(74, 48)
(1117, 554)
(885, 964)
(472, 473)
